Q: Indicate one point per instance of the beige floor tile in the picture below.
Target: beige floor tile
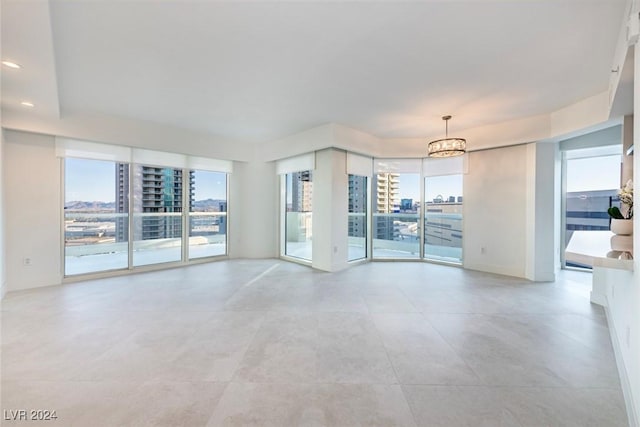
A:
(266, 342)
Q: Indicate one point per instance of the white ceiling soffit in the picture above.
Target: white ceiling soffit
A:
(622, 104)
(258, 71)
(27, 40)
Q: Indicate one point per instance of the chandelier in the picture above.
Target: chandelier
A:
(447, 147)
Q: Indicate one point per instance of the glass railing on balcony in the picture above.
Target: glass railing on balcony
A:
(395, 235)
(357, 236)
(443, 236)
(299, 233)
(207, 234)
(95, 242)
(157, 238)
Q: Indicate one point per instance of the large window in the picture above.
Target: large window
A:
(157, 214)
(588, 196)
(95, 230)
(357, 217)
(443, 218)
(207, 214)
(298, 214)
(123, 215)
(396, 215)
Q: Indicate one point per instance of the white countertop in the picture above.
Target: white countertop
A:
(594, 248)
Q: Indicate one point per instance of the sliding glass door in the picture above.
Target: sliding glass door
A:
(298, 215)
(443, 218)
(178, 215)
(396, 215)
(207, 214)
(96, 234)
(157, 215)
(417, 209)
(357, 217)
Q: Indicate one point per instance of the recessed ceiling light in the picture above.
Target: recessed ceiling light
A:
(27, 104)
(11, 64)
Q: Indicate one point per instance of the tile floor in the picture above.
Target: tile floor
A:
(266, 342)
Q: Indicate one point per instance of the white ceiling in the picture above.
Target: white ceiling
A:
(258, 71)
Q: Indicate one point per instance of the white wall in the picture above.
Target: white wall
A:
(624, 311)
(317, 138)
(253, 210)
(495, 208)
(633, 302)
(620, 288)
(3, 276)
(32, 210)
(130, 132)
(622, 292)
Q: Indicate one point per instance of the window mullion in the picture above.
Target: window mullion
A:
(186, 190)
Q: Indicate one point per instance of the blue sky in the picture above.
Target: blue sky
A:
(94, 181)
(593, 173)
(445, 186)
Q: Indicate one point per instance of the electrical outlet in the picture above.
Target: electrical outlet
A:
(27, 261)
(483, 250)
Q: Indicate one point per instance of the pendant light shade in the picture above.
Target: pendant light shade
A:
(447, 147)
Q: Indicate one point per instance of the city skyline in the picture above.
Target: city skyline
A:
(93, 181)
(445, 185)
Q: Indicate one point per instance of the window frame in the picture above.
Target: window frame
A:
(184, 260)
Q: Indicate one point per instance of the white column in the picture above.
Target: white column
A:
(542, 226)
(330, 211)
(253, 210)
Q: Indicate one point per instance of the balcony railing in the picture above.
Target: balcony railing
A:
(395, 235)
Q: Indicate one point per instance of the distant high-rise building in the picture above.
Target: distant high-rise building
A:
(406, 204)
(122, 201)
(155, 190)
(387, 186)
(357, 204)
(301, 192)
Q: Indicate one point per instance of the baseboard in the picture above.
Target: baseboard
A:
(495, 269)
(622, 369)
(600, 299)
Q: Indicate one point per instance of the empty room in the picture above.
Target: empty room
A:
(319, 213)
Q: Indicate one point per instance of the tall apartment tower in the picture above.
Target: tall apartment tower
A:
(387, 187)
(122, 201)
(357, 204)
(155, 190)
(301, 192)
